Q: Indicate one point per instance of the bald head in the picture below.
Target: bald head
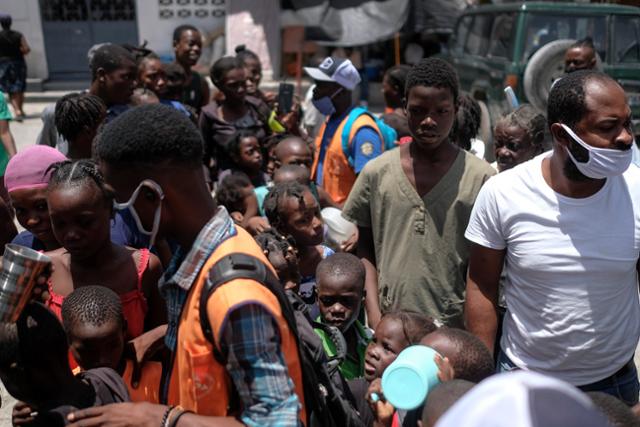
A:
(293, 151)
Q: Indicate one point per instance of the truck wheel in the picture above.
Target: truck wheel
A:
(544, 67)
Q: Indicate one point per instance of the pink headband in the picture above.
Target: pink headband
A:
(28, 168)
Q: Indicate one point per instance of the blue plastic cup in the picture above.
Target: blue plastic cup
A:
(407, 381)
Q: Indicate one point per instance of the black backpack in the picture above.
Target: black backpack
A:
(327, 398)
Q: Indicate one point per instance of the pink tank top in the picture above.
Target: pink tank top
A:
(134, 303)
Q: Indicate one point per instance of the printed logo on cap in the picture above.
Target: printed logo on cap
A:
(327, 63)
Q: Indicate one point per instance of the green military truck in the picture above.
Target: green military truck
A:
(522, 45)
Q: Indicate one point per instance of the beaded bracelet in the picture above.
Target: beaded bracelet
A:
(180, 413)
(165, 417)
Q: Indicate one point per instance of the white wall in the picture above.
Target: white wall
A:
(26, 19)
(256, 25)
(158, 31)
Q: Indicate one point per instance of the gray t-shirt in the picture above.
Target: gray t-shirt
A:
(421, 253)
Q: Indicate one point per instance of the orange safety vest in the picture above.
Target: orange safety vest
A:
(338, 175)
(198, 382)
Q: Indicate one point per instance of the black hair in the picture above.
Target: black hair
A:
(76, 112)
(585, 42)
(472, 360)
(343, 264)
(442, 397)
(222, 66)
(433, 72)
(275, 197)
(467, 121)
(109, 57)
(229, 193)
(141, 60)
(272, 240)
(92, 305)
(242, 53)
(149, 135)
(529, 119)
(76, 173)
(9, 344)
(617, 412)
(397, 77)
(414, 325)
(5, 21)
(233, 147)
(566, 102)
(173, 70)
(177, 33)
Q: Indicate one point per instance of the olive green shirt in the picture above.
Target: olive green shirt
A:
(420, 249)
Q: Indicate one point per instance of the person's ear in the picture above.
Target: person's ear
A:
(560, 135)
(102, 75)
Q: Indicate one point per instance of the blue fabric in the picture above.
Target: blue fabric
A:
(252, 346)
(114, 111)
(366, 145)
(177, 105)
(329, 130)
(261, 193)
(27, 239)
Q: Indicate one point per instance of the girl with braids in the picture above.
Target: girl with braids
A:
(283, 257)
(81, 208)
(294, 212)
(78, 117)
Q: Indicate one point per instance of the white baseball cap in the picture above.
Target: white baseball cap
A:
(523, 399)
(337, 70)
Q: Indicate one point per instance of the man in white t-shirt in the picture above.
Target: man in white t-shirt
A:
(566, 225)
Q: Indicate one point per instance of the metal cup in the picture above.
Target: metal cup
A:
(21, 267)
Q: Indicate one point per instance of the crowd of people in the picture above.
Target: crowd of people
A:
(216, 262)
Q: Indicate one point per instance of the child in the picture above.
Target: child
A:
(395, 332)
(470, 358)
(77, 118)
(96, 329)
(293, 211)
(246, 156)
(81, 208)
(236, 194)
(283, 257)
(412, 206)
(46, 385)
(293, 151)
(26, 178)
(340, 294)
(393, 84)
(441, 398)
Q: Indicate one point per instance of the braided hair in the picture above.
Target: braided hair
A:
(76, 112)
(273, 202)
(75, 174)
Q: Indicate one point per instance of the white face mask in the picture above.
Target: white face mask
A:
(603, 162)
(128, 205)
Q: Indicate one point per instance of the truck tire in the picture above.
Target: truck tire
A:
(544, 67)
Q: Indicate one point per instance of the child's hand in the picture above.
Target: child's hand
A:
(445, 370)
(257, 225)
(21, 414)
(350, 244)
(382, 410)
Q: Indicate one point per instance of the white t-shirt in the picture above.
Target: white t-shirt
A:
(571, 286)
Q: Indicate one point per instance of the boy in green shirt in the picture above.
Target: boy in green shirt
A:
(340, 293)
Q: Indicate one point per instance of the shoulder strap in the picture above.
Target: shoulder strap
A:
(346, 130)
(143, 262)
(241, 266)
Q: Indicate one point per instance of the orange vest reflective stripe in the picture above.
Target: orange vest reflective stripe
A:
(338, 175)
(198, 382)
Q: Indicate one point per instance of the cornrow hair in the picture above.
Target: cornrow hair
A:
(177, 33)
(76, 112)
(433, 72)
(93, 305)
(80, 172)
(414, 325)
(275, 197)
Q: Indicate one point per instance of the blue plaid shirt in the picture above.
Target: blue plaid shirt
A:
(250, 339)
